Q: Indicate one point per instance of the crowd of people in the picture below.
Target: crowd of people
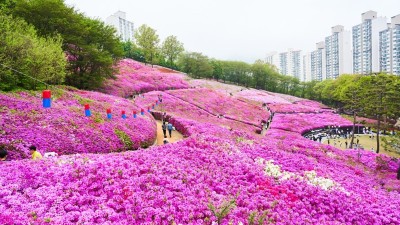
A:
(333, 134)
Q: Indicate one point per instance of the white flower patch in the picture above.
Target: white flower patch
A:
(310, 177)
(273, 170)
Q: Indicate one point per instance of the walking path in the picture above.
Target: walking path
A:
(176, 136)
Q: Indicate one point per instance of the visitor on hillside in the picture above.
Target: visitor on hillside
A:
(35, 154)
(170, 127)
(320, 139)
(164, 129)
(165, 141)
(3, 154)
(398, 173)
(346, 143)
(163, 116)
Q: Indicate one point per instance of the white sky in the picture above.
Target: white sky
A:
(238, 29)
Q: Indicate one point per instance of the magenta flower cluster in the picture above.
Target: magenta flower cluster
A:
(135, 78)
(277, 178)
(64, 129)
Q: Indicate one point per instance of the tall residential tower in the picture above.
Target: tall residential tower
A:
(338, 53)
(288, 63)
(125, 29)
(389, 42)
(366, 43)
(318, 62)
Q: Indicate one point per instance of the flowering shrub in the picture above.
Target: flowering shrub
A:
(262, 97)
(65, 130)
(295, 108)
(218, 104)
(180, 109)
(134, 78)
(313, 104)
(222, 173)
(303, 122)
(216, 86)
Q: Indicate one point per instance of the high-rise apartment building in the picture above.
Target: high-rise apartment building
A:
(338, 53)
(288, 63)
(307, 68)
(389, 42)
(273, 58)
(366, 43)
(318, 62)
(125, 28)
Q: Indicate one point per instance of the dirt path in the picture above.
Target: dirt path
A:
(176, 136)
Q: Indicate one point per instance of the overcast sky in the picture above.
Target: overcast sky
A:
(238, 29)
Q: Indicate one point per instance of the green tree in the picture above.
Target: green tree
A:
(132, 51)
(92, 47)
(381, 98)
(42, 59)
(147, 39)
(217, 69)
(259, 74)
(171, 48)
(350, 93)
(195, 64)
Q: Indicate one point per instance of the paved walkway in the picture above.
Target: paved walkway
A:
(176, 136)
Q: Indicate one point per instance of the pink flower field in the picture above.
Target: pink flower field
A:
(303, 122)
(223, 172)
(219, 104)
(134, 77)
(262, 97)
(65, 130)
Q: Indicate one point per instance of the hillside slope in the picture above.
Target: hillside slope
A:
(224, 172)
(64, 129)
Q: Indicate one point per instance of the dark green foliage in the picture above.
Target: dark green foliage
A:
(132, 51)
(91, 46)
(27, 59)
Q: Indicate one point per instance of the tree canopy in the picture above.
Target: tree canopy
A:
(23, 51)
(91, 46)
(171, 48)
(147, 39)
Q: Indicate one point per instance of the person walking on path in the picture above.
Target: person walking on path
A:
(170, 129)
(164, 129)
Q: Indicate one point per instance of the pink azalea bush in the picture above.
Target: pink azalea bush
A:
(219, 104)
(178, 108)
(303, 122)
(216, 86)
(222, 173)
(262, 97)
(313, 104)
(288, 98)
(290, 180)
(295, 108)
(64, 129)
(134, 78)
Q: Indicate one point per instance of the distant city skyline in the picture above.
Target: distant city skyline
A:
(239, 30)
